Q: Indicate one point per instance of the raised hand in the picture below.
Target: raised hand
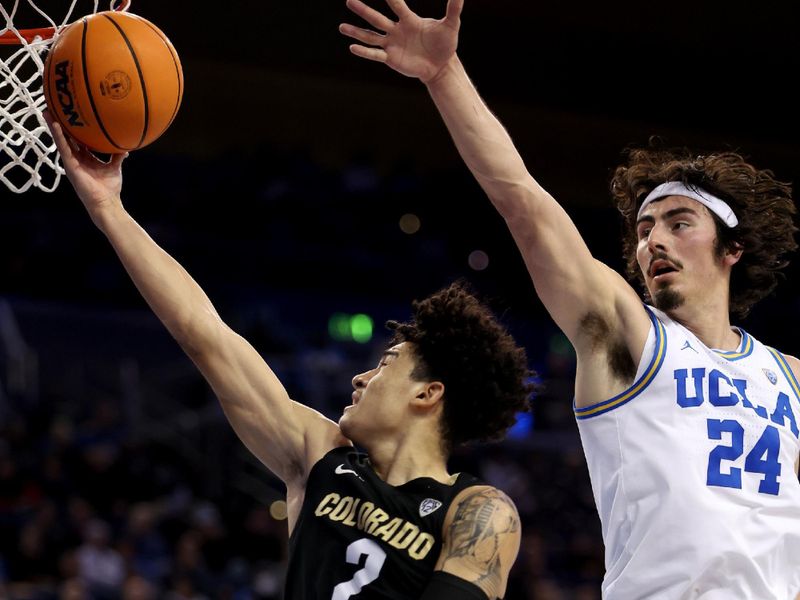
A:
(412, 45)
(97, 183)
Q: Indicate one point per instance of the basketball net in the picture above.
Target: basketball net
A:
(28, 155)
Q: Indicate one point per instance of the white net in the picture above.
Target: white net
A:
(28, 156)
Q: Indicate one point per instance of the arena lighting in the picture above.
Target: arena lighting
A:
(361, 328)
(410, 223)
(278, 510)
(344, 327)
(478, 260)
(522, 428)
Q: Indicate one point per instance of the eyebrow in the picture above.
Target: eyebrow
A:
(667, 215)
(390, 353)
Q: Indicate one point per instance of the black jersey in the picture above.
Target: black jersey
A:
(359, 538)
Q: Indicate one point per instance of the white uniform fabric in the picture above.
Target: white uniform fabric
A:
(693, 472)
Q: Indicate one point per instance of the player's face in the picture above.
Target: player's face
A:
(676, 255)
(381, 395)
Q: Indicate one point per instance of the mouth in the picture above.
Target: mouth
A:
(660, 268)
(356, 397)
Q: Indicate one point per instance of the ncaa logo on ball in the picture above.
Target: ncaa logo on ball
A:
(116, 85)
(65, 91)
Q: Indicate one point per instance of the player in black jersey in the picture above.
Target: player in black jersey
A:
(407, 528)
(389, 524)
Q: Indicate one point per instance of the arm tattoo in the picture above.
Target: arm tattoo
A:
(481, 521)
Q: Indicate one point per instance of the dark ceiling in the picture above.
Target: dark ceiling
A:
(574, 84)
(574, 81)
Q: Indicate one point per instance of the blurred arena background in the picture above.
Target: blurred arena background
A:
(314, 195)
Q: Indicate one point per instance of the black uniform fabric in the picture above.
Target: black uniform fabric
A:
(359, 538)
(445, 586)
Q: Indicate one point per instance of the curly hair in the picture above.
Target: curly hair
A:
(458, 341)
(762, 204)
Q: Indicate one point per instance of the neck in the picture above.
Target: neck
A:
(708, 318)
(398, 461)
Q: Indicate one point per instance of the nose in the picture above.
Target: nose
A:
(655, 239)
(360, 380)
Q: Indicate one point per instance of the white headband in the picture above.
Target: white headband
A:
(678, 188)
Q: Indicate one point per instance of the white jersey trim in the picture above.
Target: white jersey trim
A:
(659, 352)
(786, 370)
(744, 351)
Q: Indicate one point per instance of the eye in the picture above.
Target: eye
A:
(680, 225)
(644, 232)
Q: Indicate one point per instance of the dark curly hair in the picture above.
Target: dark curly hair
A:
(763, 205)
(458, 341)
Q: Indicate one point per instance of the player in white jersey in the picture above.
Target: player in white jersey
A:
(692, 469)
(690, 426)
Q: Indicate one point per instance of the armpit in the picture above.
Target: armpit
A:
(602, 337)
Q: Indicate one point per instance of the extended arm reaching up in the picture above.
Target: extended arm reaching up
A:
(582, 295)
(287, 437)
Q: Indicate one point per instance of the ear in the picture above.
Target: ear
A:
(429, 395)
(732, 255)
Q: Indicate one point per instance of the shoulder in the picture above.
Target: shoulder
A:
(786, 360)
(794, 365)
(481, 538)
(482, 512)
(480, 498)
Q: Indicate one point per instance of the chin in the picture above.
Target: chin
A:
(346, 426)
(344, 420)
(359, 431)
(667, 299)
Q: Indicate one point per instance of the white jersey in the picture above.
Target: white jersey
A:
(693, 472)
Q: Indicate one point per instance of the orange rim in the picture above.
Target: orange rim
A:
(45, 33)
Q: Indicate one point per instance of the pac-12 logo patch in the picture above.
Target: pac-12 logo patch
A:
(428, 506)
(773, 379)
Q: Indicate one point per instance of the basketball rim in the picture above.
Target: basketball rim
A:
(12, 35)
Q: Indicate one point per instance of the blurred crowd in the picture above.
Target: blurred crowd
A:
(95, 504)
(85, 513)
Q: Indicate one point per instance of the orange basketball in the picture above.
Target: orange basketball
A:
(113, 81)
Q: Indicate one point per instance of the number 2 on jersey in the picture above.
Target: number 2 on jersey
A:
(369, 573)
(763, 458)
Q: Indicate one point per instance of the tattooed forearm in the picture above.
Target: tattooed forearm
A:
(481, 524)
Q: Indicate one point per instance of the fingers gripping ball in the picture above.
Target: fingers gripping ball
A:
(113, 81)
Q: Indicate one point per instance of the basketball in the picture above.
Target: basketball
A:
(113, 81)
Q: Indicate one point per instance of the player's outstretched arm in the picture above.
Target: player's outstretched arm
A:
(287, 437)
(480, 544)
(570, 283)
